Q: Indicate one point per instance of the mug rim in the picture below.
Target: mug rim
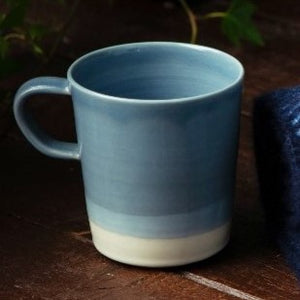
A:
(74, 83)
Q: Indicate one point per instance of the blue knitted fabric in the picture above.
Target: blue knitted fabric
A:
(277, 145)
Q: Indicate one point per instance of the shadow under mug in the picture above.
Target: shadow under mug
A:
(157, 127)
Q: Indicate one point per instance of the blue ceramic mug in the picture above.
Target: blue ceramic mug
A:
(157, 126)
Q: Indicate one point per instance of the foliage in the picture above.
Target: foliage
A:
(236, 24)
(15, 30)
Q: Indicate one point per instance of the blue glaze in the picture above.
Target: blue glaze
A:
(37, 137)
(157, 127)
(165, 225)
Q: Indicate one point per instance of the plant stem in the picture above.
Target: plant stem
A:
(215, 14)
(17, 36)
(192, 20)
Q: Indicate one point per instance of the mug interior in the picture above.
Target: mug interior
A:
(156, 71)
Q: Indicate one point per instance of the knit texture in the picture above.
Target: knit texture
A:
(277, 145)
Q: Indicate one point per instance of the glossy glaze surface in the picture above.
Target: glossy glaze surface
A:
(166, 164)
(157, 127)
(159, 252)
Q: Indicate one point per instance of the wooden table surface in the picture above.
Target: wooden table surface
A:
(45, 246)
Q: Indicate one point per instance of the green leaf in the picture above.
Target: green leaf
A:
(36, 31)
(15, 16)
(2, 17)
(4, 45)
(37, 49)
(237, 24)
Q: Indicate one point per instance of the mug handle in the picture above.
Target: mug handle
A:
(35, 135)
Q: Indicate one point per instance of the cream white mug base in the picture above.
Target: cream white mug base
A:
(159, 252)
